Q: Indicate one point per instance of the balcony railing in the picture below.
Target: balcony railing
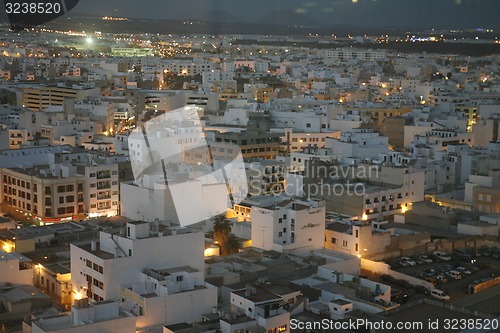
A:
(103, 186)
(103, 175)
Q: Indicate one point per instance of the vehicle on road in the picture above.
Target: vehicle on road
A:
(439, 294)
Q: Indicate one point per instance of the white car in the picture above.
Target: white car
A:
(426, 259)
(443, 256)
(409, 261)
(439, 294)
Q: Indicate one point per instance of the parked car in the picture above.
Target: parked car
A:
(409, 261)
(403, 263)
(425, 259)
(496, 254)
(441, 278)
(432, 280)
(430, 272)
(456, 275)
(439, 294)
(464, 270)
(443, 256)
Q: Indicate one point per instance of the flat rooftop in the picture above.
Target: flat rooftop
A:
(98, 252)
(259, 296)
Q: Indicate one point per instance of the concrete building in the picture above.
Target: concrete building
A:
(48, 194)
(288, 226)
(119, 259)
(88, 318)
(16, 268)
(265, 309)
(356, 238)
(55, 281)
(39, 98)
(265, 177)
(360, 143)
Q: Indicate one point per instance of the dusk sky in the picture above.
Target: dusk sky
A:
(377, 13)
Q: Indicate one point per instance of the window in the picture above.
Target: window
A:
(61, 200)
(282, 328)
(179, 278)
(344, 243)
(89, 263)
(334, 240)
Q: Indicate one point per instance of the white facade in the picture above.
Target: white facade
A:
(91, 318)
(13, 271)
(297, 226)
(361, 143)
(118, 260)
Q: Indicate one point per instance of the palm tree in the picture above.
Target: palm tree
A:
(223, 236)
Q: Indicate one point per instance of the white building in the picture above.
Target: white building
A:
(360, 143)
(88, 318)
(99, 270)
(15, 268)
(288, 226)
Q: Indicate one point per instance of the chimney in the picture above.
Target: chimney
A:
(93, 246)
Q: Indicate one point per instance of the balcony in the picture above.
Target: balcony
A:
(103, 186)
(104, 175)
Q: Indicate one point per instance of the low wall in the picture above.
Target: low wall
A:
(383, 268)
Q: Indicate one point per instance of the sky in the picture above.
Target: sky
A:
(363, 13)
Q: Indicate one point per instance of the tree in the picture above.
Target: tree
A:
(223, 236)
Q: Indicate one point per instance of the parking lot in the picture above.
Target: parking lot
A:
(480, 267)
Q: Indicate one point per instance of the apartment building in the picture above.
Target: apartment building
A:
(355, 237)
(288, 225)
(134, 266)
(45, 194)
(41, 97)
(265, 177)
